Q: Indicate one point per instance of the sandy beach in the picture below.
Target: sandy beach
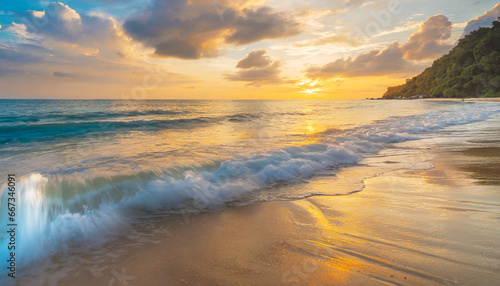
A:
(430, 219)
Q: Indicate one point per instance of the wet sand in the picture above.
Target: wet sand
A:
(437, 226)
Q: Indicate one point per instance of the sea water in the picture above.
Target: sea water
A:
(86, 170)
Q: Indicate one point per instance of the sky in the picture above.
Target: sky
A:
(221, 49)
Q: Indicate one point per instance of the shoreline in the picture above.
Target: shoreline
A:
(417, 226)
(495, 99)
(473, 99)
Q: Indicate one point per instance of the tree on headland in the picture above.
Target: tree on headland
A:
(471, 69)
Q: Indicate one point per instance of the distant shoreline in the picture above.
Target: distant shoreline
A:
(475, 99)
(465, 99)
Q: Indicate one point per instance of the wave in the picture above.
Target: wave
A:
(34, 129)
(54, 212)
(57, 211)
(50, 131)
(243, 117)
(58, 116)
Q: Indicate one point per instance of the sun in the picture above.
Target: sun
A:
(311, 90)
(310, 86)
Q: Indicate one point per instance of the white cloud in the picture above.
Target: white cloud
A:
(429, 41)
(484, 20)
(406, 27)
(62, 28)
(19, 30)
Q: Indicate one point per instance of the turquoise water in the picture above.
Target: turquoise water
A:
(87, 170)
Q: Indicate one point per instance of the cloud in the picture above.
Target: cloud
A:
(88, 33)
(88, 54)
(64, 74)
(34, 49)
(59, 43)
(112, 1)
(376, 62)
(8, 71)
(15, 60)
(17, 56)
(336, 39)
(256, 59)
(200, 29)
(260, 24)
(257, 69)
(329, 39)
(355, 3)
(59, 22)
(19, 30)
(427, 43)
(484, 20)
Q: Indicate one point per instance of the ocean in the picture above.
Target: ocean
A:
(88, 171)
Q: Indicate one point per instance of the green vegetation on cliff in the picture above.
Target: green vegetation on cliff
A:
(471, 69)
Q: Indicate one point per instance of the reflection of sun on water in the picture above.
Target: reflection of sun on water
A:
(336, 267)
(310, 128)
